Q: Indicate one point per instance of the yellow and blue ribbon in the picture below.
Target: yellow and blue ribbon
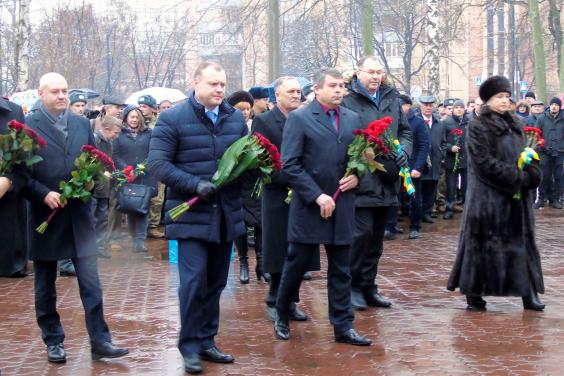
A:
(405, 173)
(526, 157)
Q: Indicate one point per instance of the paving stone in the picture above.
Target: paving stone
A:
(427, 331)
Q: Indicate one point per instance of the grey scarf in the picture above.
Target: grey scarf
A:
(60, 123)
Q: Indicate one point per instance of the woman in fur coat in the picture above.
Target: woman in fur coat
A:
(497, 254)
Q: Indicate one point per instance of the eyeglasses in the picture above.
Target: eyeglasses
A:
(372, 73)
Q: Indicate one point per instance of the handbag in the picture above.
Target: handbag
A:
(133, 199)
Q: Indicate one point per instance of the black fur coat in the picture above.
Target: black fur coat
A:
(497, 253)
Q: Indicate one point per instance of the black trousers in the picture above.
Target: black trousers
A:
(368, 246)
(242, 245)
(422, 201)
(338, 282)
(203, 269)
(429, 195)
(100, 210)
(90, 294)
(552, 180)
(452, 187)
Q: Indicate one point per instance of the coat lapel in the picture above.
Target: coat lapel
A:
(42, 123)
(72, 133)
(321, 117)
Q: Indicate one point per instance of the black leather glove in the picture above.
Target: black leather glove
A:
(206, 190)
(400, 159)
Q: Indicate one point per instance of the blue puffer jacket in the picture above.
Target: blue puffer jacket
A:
(129, 150)
(185, 148)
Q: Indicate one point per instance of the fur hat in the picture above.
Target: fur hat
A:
(493, 86)
(240, 96)
(405, 99)
(557, 101)
(259, 92)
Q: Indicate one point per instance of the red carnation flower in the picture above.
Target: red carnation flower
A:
(15, 125)
(457, 132)
(541, 142)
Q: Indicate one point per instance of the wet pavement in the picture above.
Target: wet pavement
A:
(427, 331)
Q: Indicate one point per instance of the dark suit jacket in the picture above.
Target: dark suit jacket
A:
(13, 222)
(71, 232)
(315, 158)
(450, 123)
(436, 151)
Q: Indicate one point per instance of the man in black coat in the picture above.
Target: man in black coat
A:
(372, 98)
(274, 207)
(71, 232)
(314, 154)
(430, 175)
(552, 155)
(455, 149)
(186, 147)
(13, 252)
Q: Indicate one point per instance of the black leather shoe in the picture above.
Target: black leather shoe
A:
(475, 303)
(107, 350)
(352, 338)
(307, 276)
(192, 364)
(357, 300)
(272, 313)
(414, 234)
(296, 314)
(427, 219)
(281, 329)
(448, 215)
(376, 300)
(56, 353)
(19, 274)
(532, 301)
(389, 235)
(216, 356)
(244, 272)
(434, 215)
(397, 230)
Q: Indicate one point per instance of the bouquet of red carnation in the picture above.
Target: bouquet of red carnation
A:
(19, 146)
(90, 165)
(457, 133)
(534, 138)
(365, 147)
(248, 153)
(128, 174)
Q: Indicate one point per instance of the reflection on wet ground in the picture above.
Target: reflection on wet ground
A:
(427, 330)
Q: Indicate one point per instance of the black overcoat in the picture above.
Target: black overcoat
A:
(497, 253)
(13, 222)
(436, 150)
(450, 123)
(314, 156)
(373, 191)
(274, 208)
(71, 232)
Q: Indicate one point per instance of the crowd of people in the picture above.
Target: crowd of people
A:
(462, 157)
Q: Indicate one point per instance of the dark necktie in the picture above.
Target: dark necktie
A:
(333, 120)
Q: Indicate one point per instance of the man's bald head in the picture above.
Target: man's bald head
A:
(54, 93)
(51, 78)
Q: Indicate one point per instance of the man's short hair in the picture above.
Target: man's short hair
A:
(280, 81)
(319, 75)
(204, 65)
(471, 101)
(363, 60)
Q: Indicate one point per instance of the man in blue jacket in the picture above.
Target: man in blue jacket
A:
(186, 146)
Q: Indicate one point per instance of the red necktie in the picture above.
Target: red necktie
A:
(426, 122)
